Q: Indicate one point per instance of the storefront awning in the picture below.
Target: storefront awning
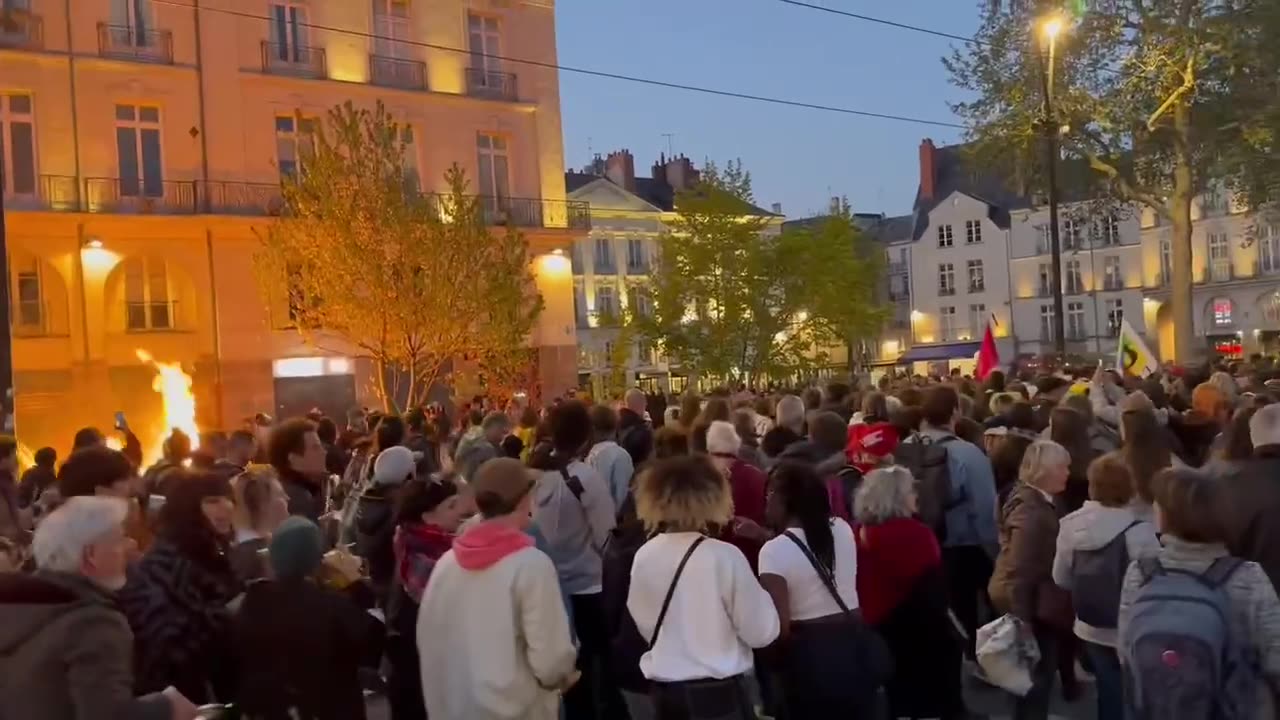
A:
(949, 351)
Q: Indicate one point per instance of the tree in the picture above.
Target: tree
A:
(410, 281)
(1157, 100)
(737, 300)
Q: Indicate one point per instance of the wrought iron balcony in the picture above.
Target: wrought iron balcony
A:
(397, 73)
(491, 84)
(523, 212)
(129, 43)
(141, 196)
(296, 60)
(20, 29)
(59, 193)
(946, 291)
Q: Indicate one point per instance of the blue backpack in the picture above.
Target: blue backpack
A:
(1180, 659)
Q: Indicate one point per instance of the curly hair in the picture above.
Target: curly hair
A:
(683, 494)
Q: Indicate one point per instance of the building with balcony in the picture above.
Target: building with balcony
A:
(143, 146)
(629, 214)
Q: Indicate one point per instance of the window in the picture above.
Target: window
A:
(604, 255)
(1115, 316)
(1044, 243)
(1269, 248)
(412, 177)
(606, 302)
(1213, 201)
(1219, 257)
(580, 305)
(1166, 262)
(639, 301)
(637, 261)
(575, 256)
(1071, 273)
(138, 151)
(972, 232)
(1223, 312)
(947, 317)
(391, 28)
(294, 138)
(1111, 273)
(1075, 320)
(1271, 308)
(133, 19)
(1109, 231)
(1070, 234)
(146, 294)
(977, 281)
(1045, 288)
(484, 37)
(17, 145)
(492, 152)
(946, 279)
(287, 32)
(977, 317)
(1046, 322)
(28, 301)
(945, 239)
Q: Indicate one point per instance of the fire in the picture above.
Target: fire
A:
(174, 387)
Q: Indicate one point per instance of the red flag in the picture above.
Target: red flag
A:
(988, 356)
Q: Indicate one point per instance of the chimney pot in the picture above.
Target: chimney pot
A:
(620, 168)
(928, 170)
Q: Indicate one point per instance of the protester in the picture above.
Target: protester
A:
(176, 596)
(421, 442)
(1095, 546)
(823, 449)
(1187, 509)
(526, 429)
(296, 453)
(1251, 497)
(670, 441)
(38, 478)
(716, 409)
(690, 409)
(375, 520)
(1200, 427)
(902, 594)
(509, 653)
(573, 510)
(744, 425)
(475, 450)
(1144, 452)
(261, 506)
(788, 428)
(1022, 582)
(693, 598)
(747, 488)
(610, 461)
(1070, 429)
(1236, 444)
(300, 645)
(810, 571)
(175, 451)
(242, 447)
(100, 471)
(634, 432)
(427, 518)
(15, 522)
(65, 649)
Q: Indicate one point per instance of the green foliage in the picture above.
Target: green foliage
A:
(411, 281)
(1154, 100)
(735, 299)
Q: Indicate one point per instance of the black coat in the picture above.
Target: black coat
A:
(1251, 510)
(926, 652)
(375, 534)
(625, 643)
(635, 436)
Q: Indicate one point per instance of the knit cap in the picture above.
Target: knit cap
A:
(296, 549)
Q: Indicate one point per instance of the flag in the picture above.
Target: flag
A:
(988, 356)
(1133, 356)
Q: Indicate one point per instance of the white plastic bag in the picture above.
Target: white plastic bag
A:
(1007, 653)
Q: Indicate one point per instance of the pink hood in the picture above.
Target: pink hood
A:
(485, 543)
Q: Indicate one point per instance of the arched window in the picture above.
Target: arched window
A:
(1222, 312)
(147, 295)
(1270, 304)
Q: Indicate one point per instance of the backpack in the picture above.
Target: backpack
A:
(1179, 658)
(841, 489)
(1096, 579)
(927, 461)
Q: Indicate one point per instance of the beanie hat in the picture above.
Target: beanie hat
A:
(722, 439)
(393, 466)
(296, 549)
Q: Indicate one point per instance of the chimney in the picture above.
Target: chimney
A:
(928, 169)
(680, 174)
(834, 206)
(777, 208)
(620, 168)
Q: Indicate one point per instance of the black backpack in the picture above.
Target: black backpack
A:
(927, 460)
(1096, 579)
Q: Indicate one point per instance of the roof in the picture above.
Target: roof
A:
(956, 173)
(881, 229)
(655, 192)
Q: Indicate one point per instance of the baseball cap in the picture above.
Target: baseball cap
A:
(502, 482)
(393, 466)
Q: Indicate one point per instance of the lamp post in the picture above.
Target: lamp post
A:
(1049, 30)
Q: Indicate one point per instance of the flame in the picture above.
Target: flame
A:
(174, 387)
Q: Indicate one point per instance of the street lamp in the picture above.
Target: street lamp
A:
(1049, 29)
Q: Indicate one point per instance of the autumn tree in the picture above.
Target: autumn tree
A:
(411, 281)
(1159, 100)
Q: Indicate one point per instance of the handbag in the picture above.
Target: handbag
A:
(857, 645)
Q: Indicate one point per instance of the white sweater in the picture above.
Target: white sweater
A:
(492, 640)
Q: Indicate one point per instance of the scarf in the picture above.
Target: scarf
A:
(417, 548)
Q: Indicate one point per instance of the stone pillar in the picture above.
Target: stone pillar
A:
(554, 334)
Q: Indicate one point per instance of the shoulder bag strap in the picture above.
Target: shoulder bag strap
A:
(671, 591)
(826, 576)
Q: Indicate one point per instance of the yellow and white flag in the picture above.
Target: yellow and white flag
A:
(1133, 356)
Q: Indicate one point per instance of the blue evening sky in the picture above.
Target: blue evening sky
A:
(796, 156)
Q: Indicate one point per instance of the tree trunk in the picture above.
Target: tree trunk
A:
(388, 404)
(1182, 312)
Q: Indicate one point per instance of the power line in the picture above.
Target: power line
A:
(594, 73)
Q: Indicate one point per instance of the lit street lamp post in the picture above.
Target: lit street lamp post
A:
(1050, 29)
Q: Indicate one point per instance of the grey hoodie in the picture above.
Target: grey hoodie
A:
(575, 529)
(1091, 528)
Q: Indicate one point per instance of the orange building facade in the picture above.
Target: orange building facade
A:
(143, 146)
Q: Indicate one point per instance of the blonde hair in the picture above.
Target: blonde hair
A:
(683, 494)
(1040, 456)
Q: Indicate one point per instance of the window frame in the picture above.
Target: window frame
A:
(139, 128)
(8, 118)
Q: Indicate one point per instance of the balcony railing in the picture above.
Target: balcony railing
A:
(977, 287)
(491, 84)
(638, 268)
(397, 73)
(60, 193)
(898, 268)
(524, 212)
(1220, 271)
(953, 334)
(218, 197)
(1112, 284)
(21, 29)
(946, 291)
(150, 316)
(129, 43)
(296, 60)
(142, 196)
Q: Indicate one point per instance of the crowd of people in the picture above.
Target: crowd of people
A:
(826, 554)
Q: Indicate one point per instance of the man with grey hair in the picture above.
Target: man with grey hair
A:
(788, 428)
(1251, 496)
(63, 636)
(635, 433)
(493, 428)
